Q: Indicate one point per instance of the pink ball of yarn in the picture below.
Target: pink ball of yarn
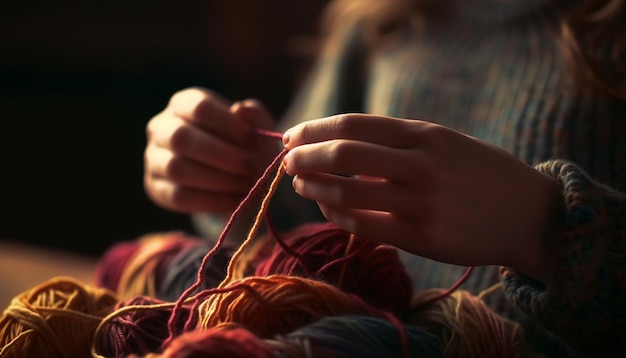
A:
(321, 251)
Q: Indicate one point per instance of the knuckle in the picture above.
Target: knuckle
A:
(344, 195)
(346, 124)
(180, 138)
(153, 124)
(429, 134)
(177, 197)
(185, 94)
(202, 107)
(178, 97)
(304, 134)
(339, 152)
(197, 102)
(174, 168)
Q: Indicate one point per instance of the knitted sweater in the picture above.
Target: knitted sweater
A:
(492, 70)
(499, 77)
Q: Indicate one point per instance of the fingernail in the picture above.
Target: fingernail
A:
(286, 136)
(286, 163)
(235, 106)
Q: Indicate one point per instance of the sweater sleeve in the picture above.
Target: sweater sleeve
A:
(585, 305)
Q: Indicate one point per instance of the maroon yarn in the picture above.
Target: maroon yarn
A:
(132, 255)
(137, 331)
(218, 343)
(220, 241)
(111, 265)
(318, 250)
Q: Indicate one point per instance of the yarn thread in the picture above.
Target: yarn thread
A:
(300, 293)
(54, 319)
(277, 162)
(467, 326)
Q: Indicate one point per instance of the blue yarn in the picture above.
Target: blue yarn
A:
(356, 336)
(183, 269)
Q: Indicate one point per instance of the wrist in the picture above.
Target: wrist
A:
(543, 245)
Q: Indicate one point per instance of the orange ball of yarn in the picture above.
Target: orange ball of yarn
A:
(57, 318)
(277, 304)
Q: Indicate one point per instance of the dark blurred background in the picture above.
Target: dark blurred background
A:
(79, 81)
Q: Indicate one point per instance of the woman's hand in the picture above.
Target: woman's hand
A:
(428, 190)
(202, 153)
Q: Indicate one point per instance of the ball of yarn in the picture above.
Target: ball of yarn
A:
(356, 336)
(183, 269)
(277, 304)
(354, 264)
(141, 268)
(56, 318)
(136, 326)
(111, 265)
(466, 326)
(218, 343)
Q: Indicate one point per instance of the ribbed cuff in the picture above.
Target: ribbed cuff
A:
(580, 304)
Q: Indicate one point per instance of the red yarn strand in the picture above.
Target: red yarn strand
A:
(452, 288)
(256, 188)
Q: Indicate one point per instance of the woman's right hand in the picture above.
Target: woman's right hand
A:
(202, 154)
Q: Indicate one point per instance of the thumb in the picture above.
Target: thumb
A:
(254, 113)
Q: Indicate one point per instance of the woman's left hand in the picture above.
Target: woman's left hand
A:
(427, 189)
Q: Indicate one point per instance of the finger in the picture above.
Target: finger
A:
(385, 131)
(416, 236)
(187, 140)
(210, 112)
(356, 193)
(164, 164)
(349, 157)
(254, 112)
(257, 116)
(189, 200)
(379, 226)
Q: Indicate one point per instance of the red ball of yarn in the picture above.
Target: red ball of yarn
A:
(218, 343)
(137, 267)
(111, 265)
(325, 252)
